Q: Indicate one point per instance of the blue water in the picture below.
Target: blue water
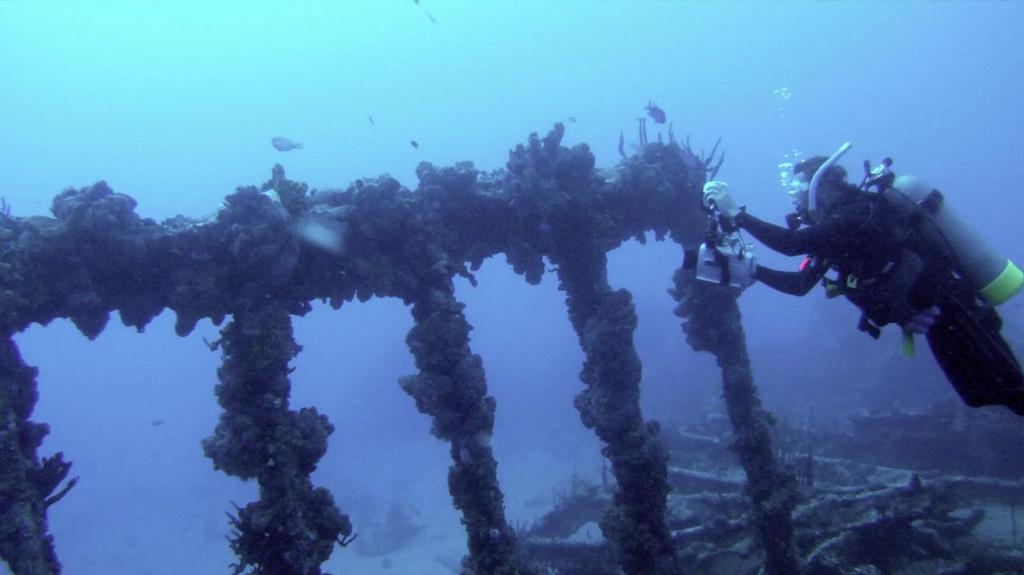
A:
(175, 104)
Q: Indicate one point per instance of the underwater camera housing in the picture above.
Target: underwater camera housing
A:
(723, 258)
(726, 262)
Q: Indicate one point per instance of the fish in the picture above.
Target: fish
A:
(655, 112)
(572, 119)
(414, 144)
(432, 19)
(284, 144)
(372, 123)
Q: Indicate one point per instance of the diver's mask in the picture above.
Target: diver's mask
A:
(809, 200)
(798, 189)
(797, 186)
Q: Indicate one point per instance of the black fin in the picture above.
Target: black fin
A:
(978, 362)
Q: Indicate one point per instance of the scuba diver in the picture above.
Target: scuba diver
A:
(897, 252)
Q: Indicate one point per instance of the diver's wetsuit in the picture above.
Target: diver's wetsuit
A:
(854, 236)
(890, 280)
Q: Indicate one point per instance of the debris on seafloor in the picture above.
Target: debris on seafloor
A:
(860, 510)
(399, 528)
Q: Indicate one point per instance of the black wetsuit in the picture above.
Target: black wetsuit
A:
(875, 269)
(854, 239)
(890, 274)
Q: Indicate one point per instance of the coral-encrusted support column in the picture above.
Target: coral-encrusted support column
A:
(451, 388)
(293, 527)
(712, 323)
(25, 483)
(605, 321)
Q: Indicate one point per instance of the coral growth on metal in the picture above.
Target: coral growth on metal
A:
(270, 250)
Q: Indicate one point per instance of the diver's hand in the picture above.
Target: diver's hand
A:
(730, 224)
(717, 197)
(922, 320)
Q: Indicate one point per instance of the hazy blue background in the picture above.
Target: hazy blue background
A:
(175, 105)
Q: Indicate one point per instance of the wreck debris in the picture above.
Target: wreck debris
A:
(25, 481)
(712, 323)
(293, 527)
(451, 388)
(605, 321)
(248, 262)
(875, 520)
(582, 503)
(398, 528)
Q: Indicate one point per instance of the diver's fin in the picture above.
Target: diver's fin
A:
(974, 356)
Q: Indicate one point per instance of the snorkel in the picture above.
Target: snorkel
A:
(812, 191)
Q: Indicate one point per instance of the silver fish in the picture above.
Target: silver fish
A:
(284, 144)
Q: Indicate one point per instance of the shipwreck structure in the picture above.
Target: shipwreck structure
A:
(273, 249)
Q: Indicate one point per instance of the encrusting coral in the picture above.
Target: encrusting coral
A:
(273, 249)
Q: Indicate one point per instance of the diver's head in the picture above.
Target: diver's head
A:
(833, 190)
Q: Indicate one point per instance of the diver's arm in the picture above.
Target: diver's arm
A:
(792, 283)
(783, 240)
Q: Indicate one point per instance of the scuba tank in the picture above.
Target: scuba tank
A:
(925, 210)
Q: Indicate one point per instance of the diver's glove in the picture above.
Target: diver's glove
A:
(922, 320)
(717, 198)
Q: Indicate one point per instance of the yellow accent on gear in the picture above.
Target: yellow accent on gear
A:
(1005, 285)
(908, 343)
(832, 290)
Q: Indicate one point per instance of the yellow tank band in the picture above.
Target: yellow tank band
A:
(1005, 285)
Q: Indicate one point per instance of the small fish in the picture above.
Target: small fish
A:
(432, 19)
(284, 144)
(414, 144)
(372, 123)
(655, 112)
(157, 422)
(572, 119)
